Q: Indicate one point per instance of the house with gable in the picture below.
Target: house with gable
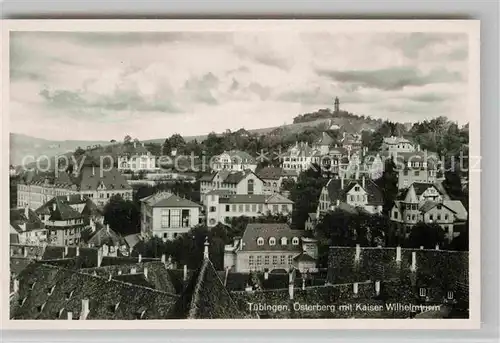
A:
(395, 144)
(222, 207)
(343, 193)
(273, 178)
(428, 204)
(167, 215)
(270, 246)
(234, 160)
(231, 182)
(26, 227)
(299, 157)
(135, 157)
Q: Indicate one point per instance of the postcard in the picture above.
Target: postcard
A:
(225, 174)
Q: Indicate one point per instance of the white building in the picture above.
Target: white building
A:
(359, 193)
(167, 215)
(397, 144)
(222, 207)
(242, 182)
(27, 227)
(266, 247)
(234, 160)
(136, 157)
(299, 157)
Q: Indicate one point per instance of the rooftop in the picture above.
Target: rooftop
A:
(166, 199)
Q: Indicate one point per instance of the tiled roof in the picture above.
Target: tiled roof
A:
(18, 218)
(13, 238)
(207, 177)
(277, 198)
(457, 207)
(92, 178)
(135, 279)
(254, 231)
(106, 236)
(395, 140)
(132, 239)
(62, 210)
(275, 173)
(239, 156)
(304, 258)
(325, 139)
(235, 178)
(166, 199)
(301, 149)
(335, 191)
(18, 264)
(49, 292)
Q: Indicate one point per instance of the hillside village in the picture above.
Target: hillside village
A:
(350, 210)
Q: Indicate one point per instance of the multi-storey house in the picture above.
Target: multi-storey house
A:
(273, 177)
(234, 160)
(268, 247)
(396, 145)
(427, 203)
(299, 157)
(358, 193)
(231, 182)
(222, 207)
(167, 215)
(26, 227)
(97, 183)
(135, 157)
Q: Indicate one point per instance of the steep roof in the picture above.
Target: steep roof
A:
(25, 219)
(239, 156)
(166, 199)
(267, 230)
(275, 173)
(304, 258)
(58, 209)
(277, 198)
(335, 191)
(50, 292)
(325, 139)
(132, 239)
(255, 199)
(106, 235)
(457, 207)
(93, 177)
(395, 140)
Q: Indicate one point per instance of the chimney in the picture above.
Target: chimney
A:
(66, 250)
(377, 287)
(185, 272)
(119, 272)
(355, 288)
(303, 284)
(93, 170)
(77, 253)
(437, 246)
(16, 285)
(26, 212)
(67, 197)
(140, 258)
(290, 284)
(413, 261)
(342, 181)
(130, 250)
(135, 144)
(163, 258)
(85, 309)
(421, 247)
(205, 251)
(70, 315)
(266, 275)
(54, 206)
(338, 202)
(110, 277)
(363, 182)
(133, 270)
(145, 272)
(99, 256)
(25, 251)
(358, 253)
(398, 254)
(81, 196)
(107, 228)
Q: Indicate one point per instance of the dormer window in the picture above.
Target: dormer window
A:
(284, 241)
(272, 241)
(260, 241)
(295, 241)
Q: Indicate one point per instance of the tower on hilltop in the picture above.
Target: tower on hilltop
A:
(337, 105)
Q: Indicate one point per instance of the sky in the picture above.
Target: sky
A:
(105, 85)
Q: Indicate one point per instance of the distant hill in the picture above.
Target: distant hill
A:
(22, 146)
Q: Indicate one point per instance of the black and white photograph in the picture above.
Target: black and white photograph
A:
(242, 170)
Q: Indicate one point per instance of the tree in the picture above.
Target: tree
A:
(305, 195)
(426, 235)
(176, 141)
(86, 234)
(127, 139)
(388, 183)
(79, 152)
(288, 184)
(113, 141)
(122, 216)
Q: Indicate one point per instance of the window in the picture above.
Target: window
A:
(275, 260)
(250, 186)
(259, 260)
(266, 260)
(431, 217)
(405, 172)
(260, 207)
(282, 259)
(423, 291)
(438, 217)
(228, 208)
(446, 217)
(247, 207)
(275, 208)
(165, 218)
(356, 188)
(284, 241)
(260, 241)
(272, 241)
(284, 208)
(290, 259)
(395, 215)
(295, 241)
(227, 220)
(254, 208)
(417, 173)
(233, 208)
(175, 218)
(212, 208)
(439, 207)
(240, 208)
(250, 261)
